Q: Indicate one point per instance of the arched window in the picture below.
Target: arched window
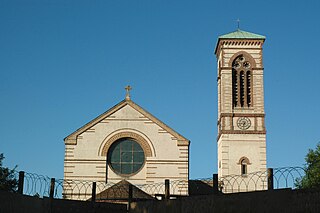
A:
(244, 162)
(241, 82)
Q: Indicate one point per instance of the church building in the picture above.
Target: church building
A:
(126, 143)
(241, 127)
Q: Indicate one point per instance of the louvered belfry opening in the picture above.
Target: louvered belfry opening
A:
(241, 82)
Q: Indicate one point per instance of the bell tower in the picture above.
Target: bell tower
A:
(241, 127)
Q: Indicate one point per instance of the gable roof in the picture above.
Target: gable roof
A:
(72, 138)
(120, 191)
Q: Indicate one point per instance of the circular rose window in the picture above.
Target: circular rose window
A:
(125, 156)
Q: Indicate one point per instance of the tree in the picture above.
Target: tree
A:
(312, 169)
(8, 181)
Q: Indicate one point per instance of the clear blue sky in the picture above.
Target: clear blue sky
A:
(63, 62)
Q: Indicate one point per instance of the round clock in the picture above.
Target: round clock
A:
(244, 123)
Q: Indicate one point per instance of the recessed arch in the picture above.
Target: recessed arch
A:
(242, 66)
(126, 134)
(244, 160)
(244, 53)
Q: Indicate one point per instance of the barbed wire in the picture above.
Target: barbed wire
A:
(284, 177)
(40, 185)
(287, 177)
(242, 183)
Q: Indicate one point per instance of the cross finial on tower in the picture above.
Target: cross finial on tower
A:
(238, 20)
(128, 88)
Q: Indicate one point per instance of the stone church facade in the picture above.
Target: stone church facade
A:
(126, 143)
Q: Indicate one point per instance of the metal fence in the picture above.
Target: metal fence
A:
(44, 186)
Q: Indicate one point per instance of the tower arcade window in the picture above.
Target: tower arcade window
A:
(241, 82)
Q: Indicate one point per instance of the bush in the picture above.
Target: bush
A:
(8, 181)
(312, 168)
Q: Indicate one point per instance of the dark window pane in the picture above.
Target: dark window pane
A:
(126, 145)
(115, 156)
(137, 147)
(243, 169)
(116, 166)
(126, 168)
(136, 167)
(116, 148)
(126, 157)
(138, 157)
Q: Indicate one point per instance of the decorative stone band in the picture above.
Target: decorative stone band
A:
(242, 115)
(138, 138)
(231, 115)
(257, 132)
(242, 42)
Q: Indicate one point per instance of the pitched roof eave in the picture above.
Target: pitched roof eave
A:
(72, 138)
(238, 35)
(181, 139)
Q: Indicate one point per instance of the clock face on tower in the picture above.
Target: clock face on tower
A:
(244, 123)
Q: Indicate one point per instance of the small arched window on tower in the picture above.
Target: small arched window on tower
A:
(244, 162)
(241, 82)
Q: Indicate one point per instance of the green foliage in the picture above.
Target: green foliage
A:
(8, 182)
(312, 168)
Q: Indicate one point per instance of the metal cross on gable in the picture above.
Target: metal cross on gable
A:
(128, 88)
(238, 20)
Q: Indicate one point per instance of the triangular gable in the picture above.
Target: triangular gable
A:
(120, 191)
(71, 139)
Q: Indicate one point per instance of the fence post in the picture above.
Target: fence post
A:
(215, 183)
(167, 189)
(130, 196)
(270, 178)
(94, 189)
(51, 194)
(20, 182)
